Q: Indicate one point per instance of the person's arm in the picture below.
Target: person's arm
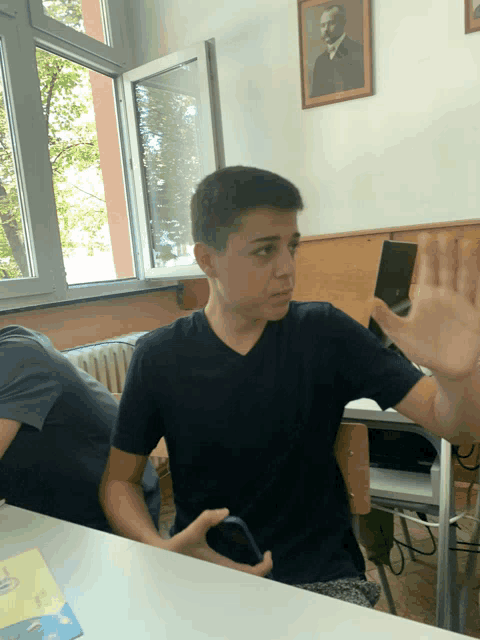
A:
(121, 497)
(8, 431)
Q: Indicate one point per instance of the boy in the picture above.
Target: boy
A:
(249, 394)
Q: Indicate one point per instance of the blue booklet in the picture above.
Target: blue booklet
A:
(31, 603)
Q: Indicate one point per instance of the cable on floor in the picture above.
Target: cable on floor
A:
(459, 458)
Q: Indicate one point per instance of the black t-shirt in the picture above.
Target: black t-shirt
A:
(256, 433)
(55, 463)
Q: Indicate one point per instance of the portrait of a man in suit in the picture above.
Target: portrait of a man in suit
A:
(340, 67)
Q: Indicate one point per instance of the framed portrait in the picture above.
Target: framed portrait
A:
(472, 16)
(335, 51)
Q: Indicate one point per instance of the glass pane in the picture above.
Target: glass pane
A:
(84, 150)
(14, 254)
(169, 131)
(83, 15)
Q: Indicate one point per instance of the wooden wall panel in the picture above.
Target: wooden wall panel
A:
(341, 271)
(75, 324)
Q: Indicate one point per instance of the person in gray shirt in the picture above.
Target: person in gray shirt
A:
(55, 427)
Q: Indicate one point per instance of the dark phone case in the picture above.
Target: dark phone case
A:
(233, 539)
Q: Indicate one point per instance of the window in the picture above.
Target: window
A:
(79, 110)
(15, 255)
(173, 115)
(72, 14)
(98, 160)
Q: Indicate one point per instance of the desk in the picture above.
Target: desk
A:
(367, 410)
(122, 589)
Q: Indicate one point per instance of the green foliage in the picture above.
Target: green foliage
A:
(67, 11)
(74, 156)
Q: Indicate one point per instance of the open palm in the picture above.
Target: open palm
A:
(442, 330)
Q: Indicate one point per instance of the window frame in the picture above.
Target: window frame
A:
(26, 132)
(115, 53)
(31, 30)
(212, 153)
(7, 9)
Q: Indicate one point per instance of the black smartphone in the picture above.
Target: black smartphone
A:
(232, 538)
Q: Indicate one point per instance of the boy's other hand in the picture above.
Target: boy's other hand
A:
(192, 541)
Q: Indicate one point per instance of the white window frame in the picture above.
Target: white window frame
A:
(210, 125)
(8, 9)
(115, 52)
(22, 30)
(25, 127)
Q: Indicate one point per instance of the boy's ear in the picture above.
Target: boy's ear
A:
(205, 258)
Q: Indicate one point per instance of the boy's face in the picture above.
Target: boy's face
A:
(258, 264)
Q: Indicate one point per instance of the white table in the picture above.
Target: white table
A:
(366, 410)
(122, 589)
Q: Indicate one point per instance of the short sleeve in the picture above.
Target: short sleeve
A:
(365, 367)
(29, 385)
(139, 425)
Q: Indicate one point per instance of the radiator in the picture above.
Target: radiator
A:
(106, 361)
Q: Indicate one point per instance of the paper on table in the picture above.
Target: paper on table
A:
(30, 600)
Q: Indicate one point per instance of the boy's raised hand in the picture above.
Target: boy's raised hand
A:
(192, 541)
(442, 330)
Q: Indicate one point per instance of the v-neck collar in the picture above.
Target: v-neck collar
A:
(225, 346)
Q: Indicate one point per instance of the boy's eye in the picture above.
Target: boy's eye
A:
(267, 250)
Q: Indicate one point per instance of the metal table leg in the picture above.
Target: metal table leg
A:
(447, 614)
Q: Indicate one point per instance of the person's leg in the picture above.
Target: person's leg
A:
(354, 590)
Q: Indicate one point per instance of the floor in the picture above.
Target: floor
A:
(414, 589)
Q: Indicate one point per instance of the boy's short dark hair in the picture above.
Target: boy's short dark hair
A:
(223, 198)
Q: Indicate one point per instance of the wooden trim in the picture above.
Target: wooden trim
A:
(392, 230)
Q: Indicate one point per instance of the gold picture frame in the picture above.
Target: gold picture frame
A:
(335, 51)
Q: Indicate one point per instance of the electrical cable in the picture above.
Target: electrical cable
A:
(424, 520)
(402, 567)
(457, 447)
(430, 524)
(475, 468)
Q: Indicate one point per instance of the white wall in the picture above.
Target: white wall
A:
(407, 155)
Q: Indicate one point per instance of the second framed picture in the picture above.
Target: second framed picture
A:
(335, 51)
(472, 16)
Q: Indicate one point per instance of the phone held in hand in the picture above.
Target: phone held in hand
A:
(232, 538)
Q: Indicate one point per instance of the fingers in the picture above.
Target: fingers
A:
(192, 542)
(211, 517)
(427, 255)
(390, 323)
(450, 263)
(194, 536)
(467, 282)
(448, 260)
(261, 569)
(264, 567)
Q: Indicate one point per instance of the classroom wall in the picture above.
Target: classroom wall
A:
(404, 156)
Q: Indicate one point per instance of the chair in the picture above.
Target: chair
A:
(373, 528)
